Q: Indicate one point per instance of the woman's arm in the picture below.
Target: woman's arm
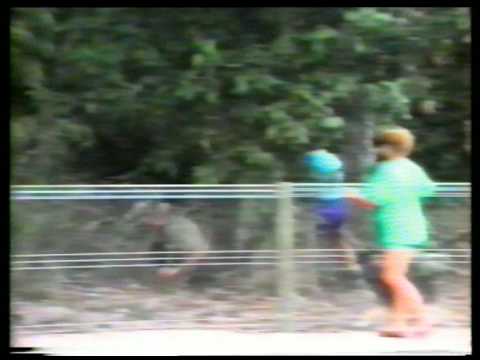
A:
(355, 199)
(377, 190)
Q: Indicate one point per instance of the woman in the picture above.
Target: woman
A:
(394, 191)
(183, 237)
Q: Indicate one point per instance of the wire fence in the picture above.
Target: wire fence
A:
(282, 255)
(209, 191)
(447, 256)
(201, 191)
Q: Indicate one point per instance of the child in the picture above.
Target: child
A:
(331, 206)
(394, 191)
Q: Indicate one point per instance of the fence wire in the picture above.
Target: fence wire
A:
(38, 252)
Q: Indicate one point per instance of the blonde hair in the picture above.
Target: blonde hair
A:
(401, 140)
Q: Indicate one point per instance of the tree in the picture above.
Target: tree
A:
(232, 95)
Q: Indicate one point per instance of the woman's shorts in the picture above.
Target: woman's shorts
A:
(404, 247)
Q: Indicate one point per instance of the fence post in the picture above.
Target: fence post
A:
(285, 245)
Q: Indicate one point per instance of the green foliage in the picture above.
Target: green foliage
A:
(387, 97)
(231, 95)
(77, 136)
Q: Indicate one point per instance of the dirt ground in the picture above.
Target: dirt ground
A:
(138, 320)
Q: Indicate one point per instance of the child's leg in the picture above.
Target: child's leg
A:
(333, 216)
(347, 243)
(338, 239)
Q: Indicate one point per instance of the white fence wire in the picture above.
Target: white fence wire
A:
(207, 191)
(254, 257)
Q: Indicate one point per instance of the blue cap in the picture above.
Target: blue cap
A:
(323, 162)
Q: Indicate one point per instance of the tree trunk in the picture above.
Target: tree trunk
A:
(467, 130)
(357, 150)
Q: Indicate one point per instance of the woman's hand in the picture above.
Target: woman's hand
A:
(352, 194)
(357, 200)
(168, 273)
(172, 273)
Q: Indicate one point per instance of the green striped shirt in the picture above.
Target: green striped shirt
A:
(396, 187)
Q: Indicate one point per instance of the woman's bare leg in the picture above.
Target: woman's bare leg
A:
(406, 298)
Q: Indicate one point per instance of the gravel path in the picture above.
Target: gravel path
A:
(183, 342)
